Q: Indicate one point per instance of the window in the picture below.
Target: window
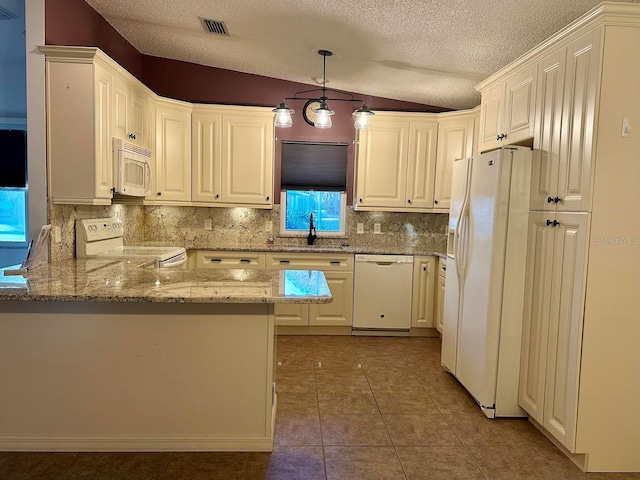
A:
(13, 218)
(328, 209)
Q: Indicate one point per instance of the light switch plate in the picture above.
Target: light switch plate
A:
(377, 228)
(208, 224)
(360, 228)
(625, 127)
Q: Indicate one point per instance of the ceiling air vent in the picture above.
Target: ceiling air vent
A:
(6, 14)
(214, 26)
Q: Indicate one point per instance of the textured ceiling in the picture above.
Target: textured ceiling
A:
(427, 51)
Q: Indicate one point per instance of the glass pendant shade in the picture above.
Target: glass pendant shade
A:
(362, 118)
(323, 116)
(282, 117)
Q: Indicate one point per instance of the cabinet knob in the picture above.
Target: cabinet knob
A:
(113, 189)
(159, 193)
(409, 200)
(217, 195)
(549, 199)
(132, 136)
(556, 223)
(267, 198)
(435, 201)
(360, 200)
(444, 268)
(502, 136)
(557, 199)
(424, 268)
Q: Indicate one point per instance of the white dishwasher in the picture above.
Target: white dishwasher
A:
(382, 293)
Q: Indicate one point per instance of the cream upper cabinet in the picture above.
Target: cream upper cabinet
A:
(455, 140)
(546, 146)
(507, 109)
(553, 321)
(578, 123)
(172, 165)
(422, 298)
(131, 112)
(396, 163)
(233, 156)
(79, 96)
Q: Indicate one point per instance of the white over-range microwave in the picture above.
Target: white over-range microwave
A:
(132, 168)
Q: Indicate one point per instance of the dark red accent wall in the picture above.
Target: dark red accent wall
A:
(75, 22)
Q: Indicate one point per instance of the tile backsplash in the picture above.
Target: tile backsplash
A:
(184, 226)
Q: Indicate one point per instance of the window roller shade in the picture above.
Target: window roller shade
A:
(314, 165)
(13, 158)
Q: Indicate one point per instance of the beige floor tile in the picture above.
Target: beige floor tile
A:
(362, 463)
(392, 378)
(334, 362)
(296, 429)
(512, 462)
(477, 429)
(435, 378)
(453, 401)
(420, 430)
(347, 402)
(359, 429)
(341, 380)
(296, 381)
(305, 341)
(438, 463)
(297, 402)
(418, 402)
(205, 466)
(286, 463)
(43, 465)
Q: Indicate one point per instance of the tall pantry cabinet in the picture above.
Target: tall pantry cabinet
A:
(579, 367)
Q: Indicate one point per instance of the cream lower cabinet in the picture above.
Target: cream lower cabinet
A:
(171, 177)
(422, 298)
(553, 321)
(233, 151)
(439, 295)
(338, 270)
(396, 163)
(226, 259)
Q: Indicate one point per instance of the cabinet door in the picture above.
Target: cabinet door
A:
(421, 164)
(140, 118)
(546, 149)
(491, 112)
(339, 311)
(565, 327)
(440, 303)
(121, 108)
(247, 159)
(520, 103)
(173, 154)
(455, 140)
(104, 180)
(537, 308)
(424, 276)
(382, 164)
(578, 122)
(207, 151)
(291, 314)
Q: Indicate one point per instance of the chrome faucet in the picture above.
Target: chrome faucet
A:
(312, 231)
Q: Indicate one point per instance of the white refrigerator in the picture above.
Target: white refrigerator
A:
(484, 289)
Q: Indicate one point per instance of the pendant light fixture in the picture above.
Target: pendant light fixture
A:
(316, 111)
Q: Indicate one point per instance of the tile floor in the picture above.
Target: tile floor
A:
(349, 408)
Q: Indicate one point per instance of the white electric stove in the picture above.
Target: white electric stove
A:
(103, 238)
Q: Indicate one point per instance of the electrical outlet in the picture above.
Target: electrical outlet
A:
(268, 226)
(360, 228)
(57, 234)
(377, 228)
(208, 224)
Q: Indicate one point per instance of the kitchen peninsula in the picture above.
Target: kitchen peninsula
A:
(114, 355)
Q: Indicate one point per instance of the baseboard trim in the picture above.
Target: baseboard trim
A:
(141, 443)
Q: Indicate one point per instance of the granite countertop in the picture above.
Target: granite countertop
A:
(253, 247)
(139, 281)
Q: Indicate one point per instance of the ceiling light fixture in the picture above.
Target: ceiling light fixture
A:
(316, 111)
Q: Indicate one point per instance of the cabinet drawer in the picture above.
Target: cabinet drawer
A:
(248, 260)
(313, 261)
(442, 267)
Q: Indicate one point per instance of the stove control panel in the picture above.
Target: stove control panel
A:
(95, 229)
